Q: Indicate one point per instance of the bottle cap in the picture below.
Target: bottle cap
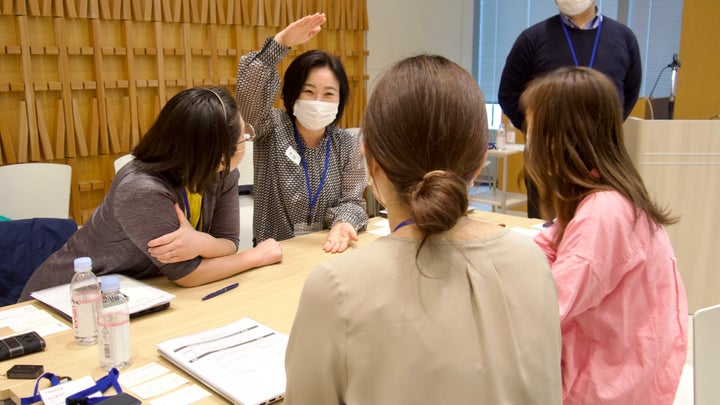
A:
(109, 283)
(82, 263)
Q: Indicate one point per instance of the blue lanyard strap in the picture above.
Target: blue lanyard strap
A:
(36, 393)
(572, 48)
(312, 199)
(101, 385)
(403, 223)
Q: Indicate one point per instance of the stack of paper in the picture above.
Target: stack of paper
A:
(244, 361)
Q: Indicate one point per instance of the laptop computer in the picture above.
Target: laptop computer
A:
(142, 298)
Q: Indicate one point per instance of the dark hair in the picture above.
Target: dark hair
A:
(576, 145)
(297, 73)
(193, 134)
(426, 127)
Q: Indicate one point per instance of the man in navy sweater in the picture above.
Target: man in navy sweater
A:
(578, 36)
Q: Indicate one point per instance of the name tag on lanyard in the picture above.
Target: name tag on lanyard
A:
(292, 155)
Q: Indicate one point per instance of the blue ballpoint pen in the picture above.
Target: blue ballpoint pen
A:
(220, 291)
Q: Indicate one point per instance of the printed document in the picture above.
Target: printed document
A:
(243, 361)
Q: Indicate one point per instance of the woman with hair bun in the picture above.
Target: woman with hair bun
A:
(445, 309)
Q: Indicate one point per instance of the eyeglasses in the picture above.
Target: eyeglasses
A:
(248, 134)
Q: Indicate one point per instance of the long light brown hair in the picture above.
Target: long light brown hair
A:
(576, 145)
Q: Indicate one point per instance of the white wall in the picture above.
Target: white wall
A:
(402, 28)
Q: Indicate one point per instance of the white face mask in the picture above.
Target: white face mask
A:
(573, 7)
(315, 115)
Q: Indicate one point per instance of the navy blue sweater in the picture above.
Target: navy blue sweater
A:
(543, 47)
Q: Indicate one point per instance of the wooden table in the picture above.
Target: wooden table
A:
(269, 295)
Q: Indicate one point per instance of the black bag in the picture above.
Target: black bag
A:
(20, 345)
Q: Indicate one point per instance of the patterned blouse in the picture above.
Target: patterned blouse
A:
(282, 196)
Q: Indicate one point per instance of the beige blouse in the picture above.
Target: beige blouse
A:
(468, 322)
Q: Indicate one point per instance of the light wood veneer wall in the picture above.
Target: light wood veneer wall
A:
(82, 80)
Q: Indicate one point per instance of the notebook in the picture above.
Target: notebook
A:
(142, 298)
(243, 361)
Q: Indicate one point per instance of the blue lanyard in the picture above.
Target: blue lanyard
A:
(572, 48)
(312, 199)
(403, 223)
(101, 385)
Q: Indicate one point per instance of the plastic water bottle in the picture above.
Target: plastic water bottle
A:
(113, 323)
(500, 137)
(510, 134)
(84, 297)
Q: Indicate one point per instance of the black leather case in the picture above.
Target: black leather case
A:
(20, 345)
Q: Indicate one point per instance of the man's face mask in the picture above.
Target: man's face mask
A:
(573, 7)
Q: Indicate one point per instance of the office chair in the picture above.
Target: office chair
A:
(706, 355)
(24, 246)
(35, 190)
(122, 161)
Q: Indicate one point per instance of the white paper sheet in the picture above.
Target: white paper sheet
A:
(243, 361)
(28, 318)
(184, 396)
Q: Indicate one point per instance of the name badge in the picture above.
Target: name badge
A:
(292, 155)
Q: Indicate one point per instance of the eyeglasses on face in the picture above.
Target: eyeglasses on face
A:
(248, 134)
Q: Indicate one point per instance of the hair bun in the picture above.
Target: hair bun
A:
(434, 173)
(438, 201)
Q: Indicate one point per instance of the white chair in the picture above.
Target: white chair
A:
(706, 355)
(247, 202)
(35, 190)
(246, 167)
(122, 160)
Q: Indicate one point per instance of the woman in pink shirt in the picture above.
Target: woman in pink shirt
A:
(623, 308)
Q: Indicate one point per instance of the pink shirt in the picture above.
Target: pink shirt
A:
(623, 308)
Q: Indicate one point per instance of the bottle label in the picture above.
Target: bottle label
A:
(114, 337)
(500, 142)
(83, 314)
(511, 136)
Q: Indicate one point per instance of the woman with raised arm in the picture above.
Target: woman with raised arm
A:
(309, 173)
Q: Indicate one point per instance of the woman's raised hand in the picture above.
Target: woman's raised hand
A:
(300, 31)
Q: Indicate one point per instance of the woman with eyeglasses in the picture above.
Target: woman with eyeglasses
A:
(308, 173)
(173, 210)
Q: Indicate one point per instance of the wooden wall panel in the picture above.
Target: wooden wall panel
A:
(81, 81)
(698, 83)
(683, 173)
